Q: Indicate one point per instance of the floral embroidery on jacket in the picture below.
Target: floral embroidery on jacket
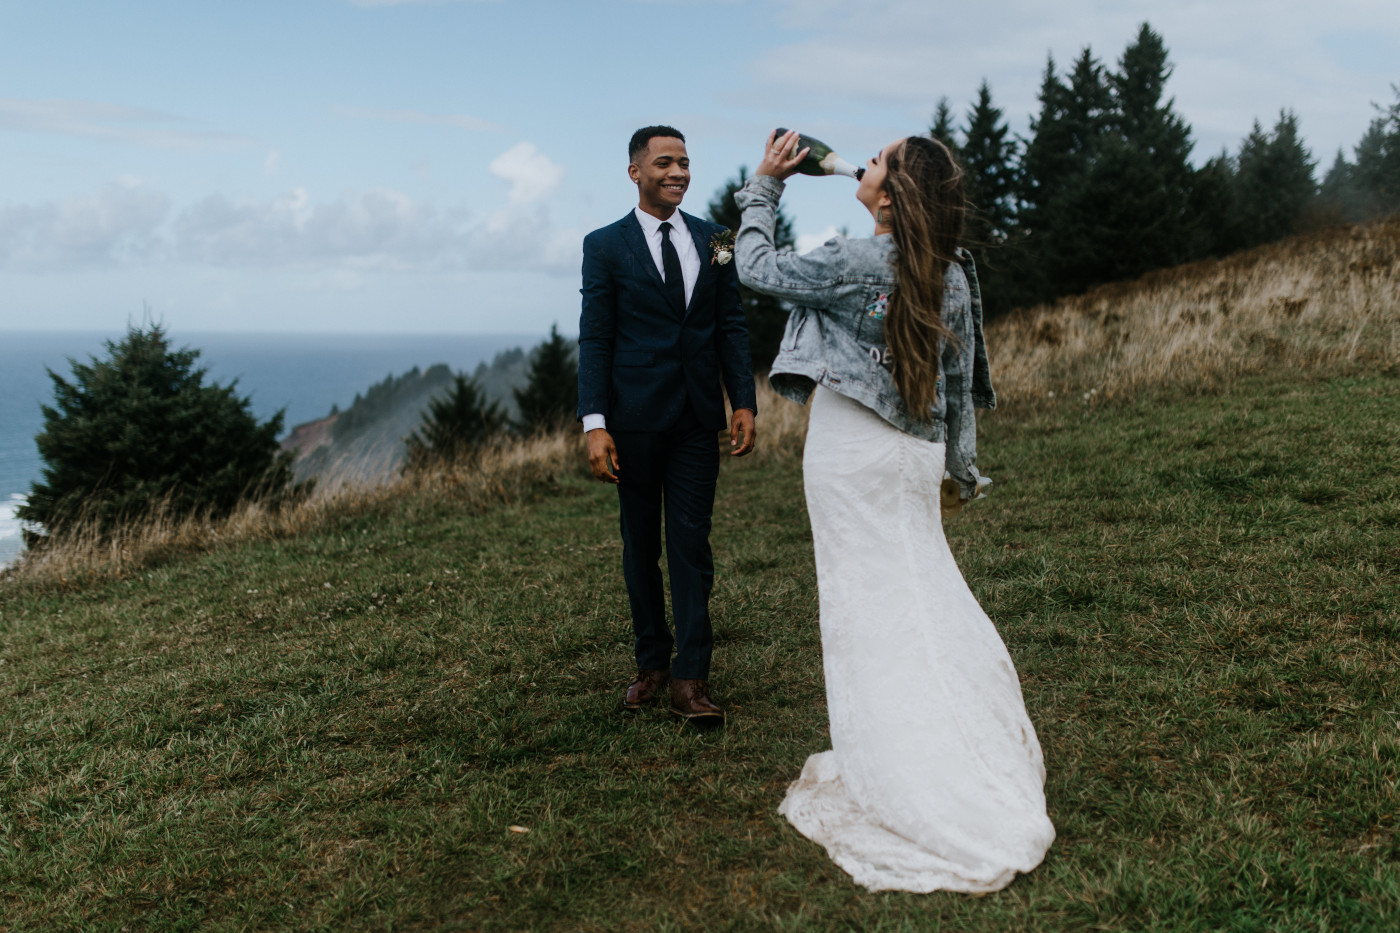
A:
(878, 307)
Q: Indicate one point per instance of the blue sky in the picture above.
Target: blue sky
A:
(330, 165)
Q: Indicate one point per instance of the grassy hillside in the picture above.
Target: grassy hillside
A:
(397, 710)
(338, 731)
(1325, 301)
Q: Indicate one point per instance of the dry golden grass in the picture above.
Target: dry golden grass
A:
(1331, 298)
(781, 425)
(503, 472)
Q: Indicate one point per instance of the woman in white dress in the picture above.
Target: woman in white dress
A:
(934, 780)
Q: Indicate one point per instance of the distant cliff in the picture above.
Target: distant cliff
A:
(364, 442)
(306, 437)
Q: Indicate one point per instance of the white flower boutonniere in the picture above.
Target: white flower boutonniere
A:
(722, 248)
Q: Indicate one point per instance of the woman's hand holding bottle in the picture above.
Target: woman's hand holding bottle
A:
(779, 160)
(789, 151)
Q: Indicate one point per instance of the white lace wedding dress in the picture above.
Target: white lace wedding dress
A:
(935, 779)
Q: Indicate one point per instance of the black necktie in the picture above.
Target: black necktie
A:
(671, 266)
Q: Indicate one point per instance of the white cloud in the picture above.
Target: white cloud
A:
(1234, 62)
(119, 224)
(386, 230)
(458, 121)
(111, 122)
(271, 163)
(806, 242)
(375, 230)
(532, 175)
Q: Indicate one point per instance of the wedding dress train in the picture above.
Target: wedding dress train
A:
(935, 779)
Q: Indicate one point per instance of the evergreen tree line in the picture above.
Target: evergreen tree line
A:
(465, 412)
(387, 396)
(141, 429)
(464, 418)
(1103, 189)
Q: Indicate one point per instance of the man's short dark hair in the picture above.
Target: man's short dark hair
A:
(643, 137)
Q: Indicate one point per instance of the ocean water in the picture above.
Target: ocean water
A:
(303, 374)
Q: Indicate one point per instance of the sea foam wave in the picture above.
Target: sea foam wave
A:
(11, 529)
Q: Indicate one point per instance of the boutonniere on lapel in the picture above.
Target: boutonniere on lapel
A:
(722, 248)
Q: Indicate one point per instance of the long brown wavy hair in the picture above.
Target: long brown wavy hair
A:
(928, 207)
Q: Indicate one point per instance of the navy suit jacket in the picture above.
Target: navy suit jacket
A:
(641, 358)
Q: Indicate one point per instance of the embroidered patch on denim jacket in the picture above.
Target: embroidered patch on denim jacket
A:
(878, 307)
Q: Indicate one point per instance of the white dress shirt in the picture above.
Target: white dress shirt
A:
(680, 239)
(690, 269)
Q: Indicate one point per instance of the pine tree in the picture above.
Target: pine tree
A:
(1338, 197)
(1063, 216)
(1143, 176)
(1373, 183)
(141, 429)
(1089, 110)
(766, 317)
(1044, 167)
(988, 156)
(1274, 182)
(1067, 135)
(454, 425)
(1211, 206)
(1378, 160)
(1045, 161)
(1138, 88)
(549, 399)
(942, 127)
(1251, 185)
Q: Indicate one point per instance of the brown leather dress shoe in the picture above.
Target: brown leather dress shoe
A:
(643, 689)
(690, 700)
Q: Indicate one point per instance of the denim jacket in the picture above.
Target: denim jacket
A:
(835, 336)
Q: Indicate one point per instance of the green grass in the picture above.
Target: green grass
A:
(336, 732)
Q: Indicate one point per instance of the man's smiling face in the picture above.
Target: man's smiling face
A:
(662, 174)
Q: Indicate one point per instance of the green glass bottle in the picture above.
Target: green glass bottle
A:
(821, 160)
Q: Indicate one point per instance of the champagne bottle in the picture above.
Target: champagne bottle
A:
(821, 160)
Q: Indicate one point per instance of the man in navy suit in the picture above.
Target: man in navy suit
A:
(661, 326)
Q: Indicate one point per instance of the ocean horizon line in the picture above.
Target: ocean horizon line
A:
(90, 331)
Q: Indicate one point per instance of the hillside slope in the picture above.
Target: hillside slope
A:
(398, 709)
(405, 717)
(1323, 301)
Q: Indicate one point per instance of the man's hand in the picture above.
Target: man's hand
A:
(602, 455)
(741, 432)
